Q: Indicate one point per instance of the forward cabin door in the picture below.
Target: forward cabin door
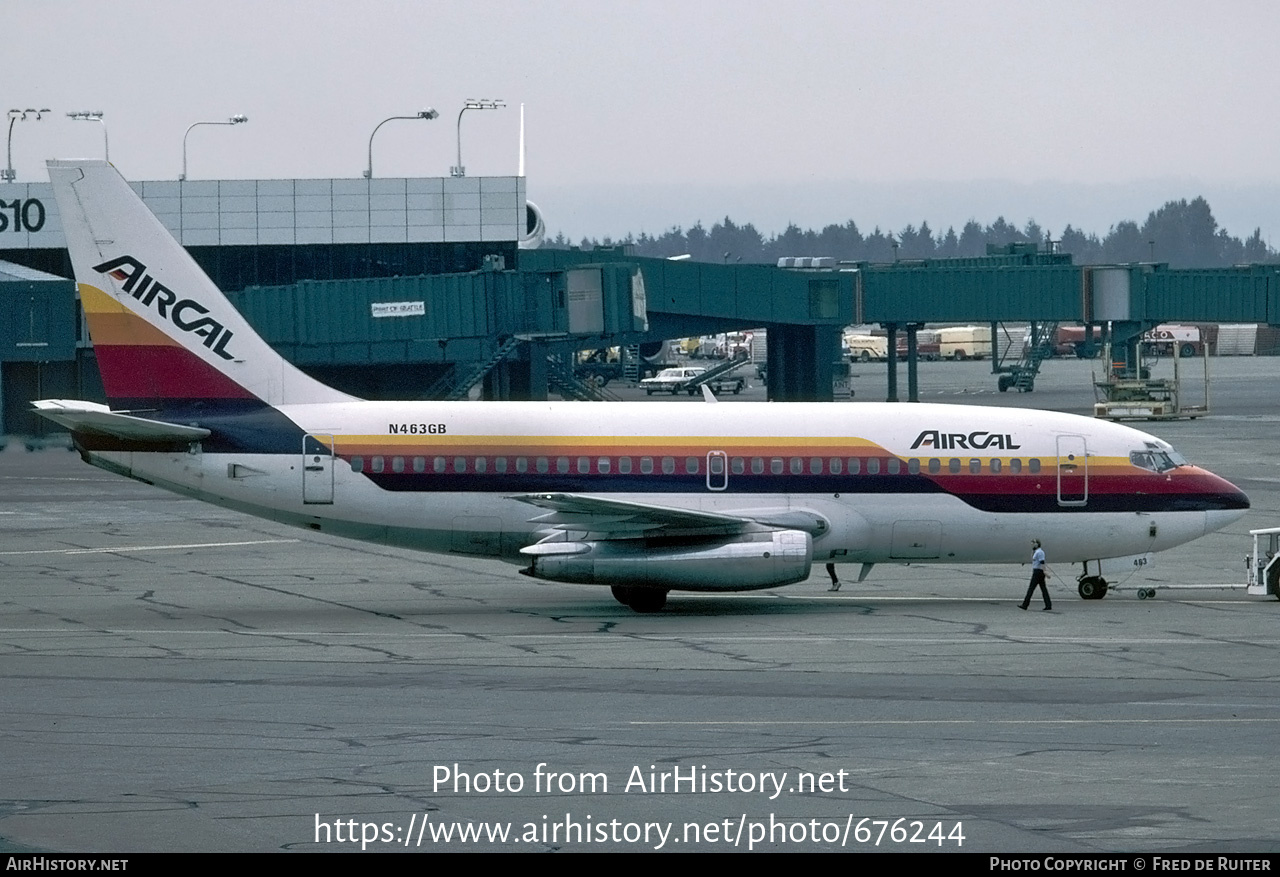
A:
(317, 470)
(1073, 471)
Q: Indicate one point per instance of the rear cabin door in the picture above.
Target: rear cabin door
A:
(1073, 471)
(317, 469)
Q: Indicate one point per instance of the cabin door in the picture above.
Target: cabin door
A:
(1073, 471)
(317, 469)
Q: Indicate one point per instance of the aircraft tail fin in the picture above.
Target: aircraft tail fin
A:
(165, 336)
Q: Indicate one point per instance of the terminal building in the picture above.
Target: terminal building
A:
(430, 288)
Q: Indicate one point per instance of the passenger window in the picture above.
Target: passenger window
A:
(543, 465)
(522, 464)
(584, 465)
(377, 464)
(1033, 466)
(691, 465)
(737, 465)
(624, 465)
(459, 464)
(775, 465)
(482, 464)
(835, 465)
(668, 465)
(1015, 466)
(953, 466)
(357, 464)
(995, 465)
(797, 465)
(500, 465)
(975, 467)
(397, 464)
(757, 466)
(419, 464)
(895, 465)
(646, 465)
(873, 466)
(855, 465)
(438, 464)
(602, 466)
(913, 466)
(935, 466)
(815, 465)
(562, 465)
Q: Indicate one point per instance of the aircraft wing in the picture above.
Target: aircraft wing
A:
(622, 518)
(92, 417)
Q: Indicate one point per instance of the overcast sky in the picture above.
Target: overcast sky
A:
(645, 115)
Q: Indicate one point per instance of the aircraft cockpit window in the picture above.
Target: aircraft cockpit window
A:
(1157, 459)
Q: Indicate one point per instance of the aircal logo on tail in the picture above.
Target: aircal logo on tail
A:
(185, 313)
(971, 441)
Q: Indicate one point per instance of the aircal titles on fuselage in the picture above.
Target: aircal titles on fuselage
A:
(964, 441)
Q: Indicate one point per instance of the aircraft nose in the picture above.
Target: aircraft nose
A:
(1229, 504)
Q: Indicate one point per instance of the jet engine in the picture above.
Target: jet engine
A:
(535, 228)
(748, 562)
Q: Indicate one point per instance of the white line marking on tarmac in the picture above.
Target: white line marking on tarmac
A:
(131, 548)
(766, 722)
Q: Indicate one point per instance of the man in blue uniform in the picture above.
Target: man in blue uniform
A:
(1038, 576)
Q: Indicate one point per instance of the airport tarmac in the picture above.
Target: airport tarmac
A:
(176, 677)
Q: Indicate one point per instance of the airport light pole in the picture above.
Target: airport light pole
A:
(8, 175)
(94, 116)
(237, 119)
(428, 113)
(483, 103)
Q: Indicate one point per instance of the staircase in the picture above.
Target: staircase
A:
(481, 369)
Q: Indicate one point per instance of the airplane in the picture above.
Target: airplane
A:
(643, 498)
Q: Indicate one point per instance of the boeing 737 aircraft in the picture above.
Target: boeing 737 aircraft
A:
(645, 498)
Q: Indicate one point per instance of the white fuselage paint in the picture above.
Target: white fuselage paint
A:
(860, 526)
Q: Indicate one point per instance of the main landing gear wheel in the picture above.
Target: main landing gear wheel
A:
(1092, 588)
(1146, 593)
(640, 599)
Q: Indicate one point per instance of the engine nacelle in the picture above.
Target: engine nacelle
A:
(745, 563)
(535, 228)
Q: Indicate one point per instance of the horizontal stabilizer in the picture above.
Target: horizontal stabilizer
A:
(92, 417)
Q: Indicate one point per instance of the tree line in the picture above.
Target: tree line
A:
(1181, 233)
